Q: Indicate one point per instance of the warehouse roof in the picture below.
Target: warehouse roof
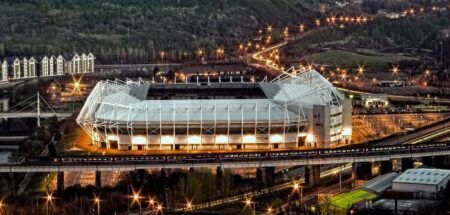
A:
(423, 176)
(381, 182)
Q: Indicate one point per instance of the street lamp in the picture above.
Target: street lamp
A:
(302, 27)
(269, 210)
(48, 199)
(394, 70)
(151, 202)
(188, 205)
(137, 198)
(297, 188)
(159, 208)
(97, 201)
(1, 206)
(360, 70)
(219, 52)
(252, 205)
(269, 29)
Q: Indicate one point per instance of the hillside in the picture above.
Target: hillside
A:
(136, 30)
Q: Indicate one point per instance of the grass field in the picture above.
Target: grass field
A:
(346, 200)
(353, 60)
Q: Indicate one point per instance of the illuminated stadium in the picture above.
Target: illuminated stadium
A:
(298, 108)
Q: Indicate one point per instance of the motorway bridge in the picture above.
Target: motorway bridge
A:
(231, 159)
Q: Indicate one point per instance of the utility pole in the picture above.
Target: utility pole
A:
(38, 117)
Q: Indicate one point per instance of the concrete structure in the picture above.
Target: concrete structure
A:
(231, 160)
(428, 182)
(299, 108)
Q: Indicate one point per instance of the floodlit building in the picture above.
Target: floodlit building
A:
(298, 108)
(427, 183)
(370, 101)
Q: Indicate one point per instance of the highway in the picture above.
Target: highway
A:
(230, 160)
(420, 136)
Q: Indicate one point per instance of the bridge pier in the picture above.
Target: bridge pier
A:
(436, 161)
(407, 163)
(59, 183)
(269, 175)
(441, 161)
(428, 161)
(98, 179)
(259, 177)
(12, 183)
(141, 175)
(265, 176)
(362, 171)
(312, 175)
(385, 167)
(219, 176)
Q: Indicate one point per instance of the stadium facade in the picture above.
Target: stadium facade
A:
(299, 108)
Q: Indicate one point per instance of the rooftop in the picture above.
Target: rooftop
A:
(286, 99)
(423, 176)
(381, 182)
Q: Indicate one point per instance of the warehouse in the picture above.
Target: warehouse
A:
(426, 183)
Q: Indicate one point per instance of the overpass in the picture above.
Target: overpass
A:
(231, 160)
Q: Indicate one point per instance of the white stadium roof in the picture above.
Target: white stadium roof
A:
(288, 97)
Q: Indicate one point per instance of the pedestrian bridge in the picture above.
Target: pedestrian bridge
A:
(229, 159)
(59, 115)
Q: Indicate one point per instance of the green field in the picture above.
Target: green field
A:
(353, 60)
(347, 200)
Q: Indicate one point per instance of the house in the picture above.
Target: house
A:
(25, 67)
(90, 62)
(52, 65)
(5, 70)
(83, 58)
(16, 67)
(44, 66)
(32, 67)
(60, 65)
(73, 63)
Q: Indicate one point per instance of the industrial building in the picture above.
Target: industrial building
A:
(298, 108)
(423, 183)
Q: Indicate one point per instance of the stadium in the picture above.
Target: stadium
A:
(296, 109)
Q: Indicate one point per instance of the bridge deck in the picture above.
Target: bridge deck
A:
(232, 160)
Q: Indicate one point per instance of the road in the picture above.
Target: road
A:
(375, 126)
(420, 136)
